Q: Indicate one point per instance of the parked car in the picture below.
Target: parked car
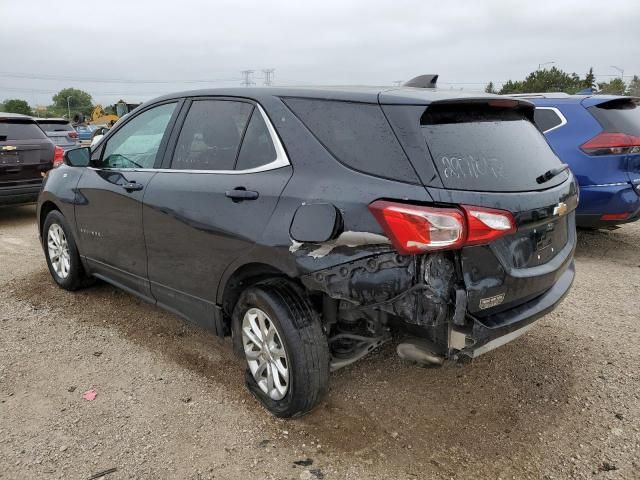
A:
(60, 132)
(85, 132)
(26, 154)
(599, 137)
(312, 224)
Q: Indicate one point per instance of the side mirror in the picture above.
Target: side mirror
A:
(78, 157)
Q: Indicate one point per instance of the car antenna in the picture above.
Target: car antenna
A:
(422, 81)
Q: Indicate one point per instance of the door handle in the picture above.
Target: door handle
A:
(132, 186)
(239, 194)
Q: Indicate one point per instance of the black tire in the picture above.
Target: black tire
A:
(305, 343)
(77, 277)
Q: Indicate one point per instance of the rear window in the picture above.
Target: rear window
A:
(485, 148)
(621, 116)
(356, 134)
(19, 129)
(55, 126)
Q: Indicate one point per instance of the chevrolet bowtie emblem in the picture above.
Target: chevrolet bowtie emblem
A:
(560, 209)
(9, 148)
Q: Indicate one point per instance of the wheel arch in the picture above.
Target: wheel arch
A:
(243, 277)
(47, 207)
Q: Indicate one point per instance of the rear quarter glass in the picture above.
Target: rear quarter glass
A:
(482, 148)
(14, 129)
(358, 135)
(621, 115)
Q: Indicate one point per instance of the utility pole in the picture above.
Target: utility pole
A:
(268, 76)
(621, 70)
(68, 109)
(397, 83)
(246, 78)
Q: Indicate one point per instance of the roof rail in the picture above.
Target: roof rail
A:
(423, 81)
(539, 95)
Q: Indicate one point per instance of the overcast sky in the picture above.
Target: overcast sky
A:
(139, 49)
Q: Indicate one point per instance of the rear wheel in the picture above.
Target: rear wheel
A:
(285, 348)
(61, 253)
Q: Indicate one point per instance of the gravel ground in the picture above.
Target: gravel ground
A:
(560, 402)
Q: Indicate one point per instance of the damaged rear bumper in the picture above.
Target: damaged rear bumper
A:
(491, 332)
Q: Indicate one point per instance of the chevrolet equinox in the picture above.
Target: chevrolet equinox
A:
(314, 224)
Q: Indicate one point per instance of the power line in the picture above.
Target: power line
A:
(47, 77)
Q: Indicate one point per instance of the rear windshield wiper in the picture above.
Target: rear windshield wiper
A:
(549, 174)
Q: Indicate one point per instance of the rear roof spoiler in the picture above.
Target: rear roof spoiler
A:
(422, 81)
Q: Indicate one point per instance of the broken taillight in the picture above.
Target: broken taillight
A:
(416, 229)
(611, 143)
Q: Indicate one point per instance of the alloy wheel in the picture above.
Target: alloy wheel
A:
(58, 248)
(265, 352)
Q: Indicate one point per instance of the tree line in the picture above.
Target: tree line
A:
(66, 100)
(556, 80)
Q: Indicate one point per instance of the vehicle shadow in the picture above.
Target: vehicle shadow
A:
(380, 409)
(14, 215)
(618, 245)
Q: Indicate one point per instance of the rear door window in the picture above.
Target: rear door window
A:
(211, 134)
(621, 116)
(18, 129)
(357, 134)
(479, 147)
(546, 119)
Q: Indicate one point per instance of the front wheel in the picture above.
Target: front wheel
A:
(61, 253)
(284, 346)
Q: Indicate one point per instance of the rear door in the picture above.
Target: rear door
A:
(488, 153)
(222, 179)
(25, 152)
(109, 212)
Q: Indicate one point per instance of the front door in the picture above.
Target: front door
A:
(110, 193)
(212, 203)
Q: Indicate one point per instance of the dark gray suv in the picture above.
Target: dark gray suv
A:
(313, 225)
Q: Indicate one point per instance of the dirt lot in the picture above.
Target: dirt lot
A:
(560, 402)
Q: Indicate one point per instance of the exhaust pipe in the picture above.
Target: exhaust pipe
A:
(420, 351)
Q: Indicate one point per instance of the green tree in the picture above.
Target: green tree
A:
(78, 101)
(613, 87)
(545, 80)
(16, 105)
(590, 79)
(490, 88)
(634, 87)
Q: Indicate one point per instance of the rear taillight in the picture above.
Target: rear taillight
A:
(611, 143)
(72, 134)
(416, 229)
(487, 224)
(58, 156)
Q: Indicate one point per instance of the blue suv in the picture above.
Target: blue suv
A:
(599, 137)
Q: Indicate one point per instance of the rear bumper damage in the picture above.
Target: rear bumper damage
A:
(424, 298)
(491, 332)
